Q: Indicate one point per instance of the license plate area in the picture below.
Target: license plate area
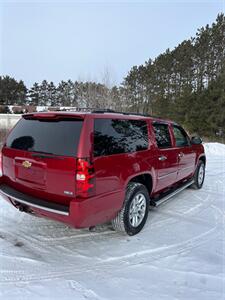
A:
(30, 171)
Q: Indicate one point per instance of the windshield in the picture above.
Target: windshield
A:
(58, 137)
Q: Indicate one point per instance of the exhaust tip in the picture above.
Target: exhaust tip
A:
(22, 208)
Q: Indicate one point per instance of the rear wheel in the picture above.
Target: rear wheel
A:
(199, 176)
(133, 215)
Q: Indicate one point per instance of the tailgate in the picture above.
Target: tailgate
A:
(39, 158)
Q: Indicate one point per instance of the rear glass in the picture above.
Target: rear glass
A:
(59, 137)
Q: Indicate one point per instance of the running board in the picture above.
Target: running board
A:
(155, 202)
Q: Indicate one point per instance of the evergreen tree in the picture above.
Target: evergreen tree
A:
(34, 94)
(51, 94)
(43, 95)
(11, 91)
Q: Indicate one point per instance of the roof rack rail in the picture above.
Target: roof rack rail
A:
(107, 110)
(88, 109)
(102, 111)
(76, 109)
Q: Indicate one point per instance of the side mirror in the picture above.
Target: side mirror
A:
(196, 140)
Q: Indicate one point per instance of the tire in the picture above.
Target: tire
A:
(199, 176)
(134, 213)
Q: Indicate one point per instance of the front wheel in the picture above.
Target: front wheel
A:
(133, 215)
(199, 176)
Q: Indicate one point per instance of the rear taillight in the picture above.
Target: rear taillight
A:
(85, 178)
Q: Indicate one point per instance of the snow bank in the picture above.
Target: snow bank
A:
(214, 149)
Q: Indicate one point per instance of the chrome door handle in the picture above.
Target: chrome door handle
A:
(161, 158)
(181, 154)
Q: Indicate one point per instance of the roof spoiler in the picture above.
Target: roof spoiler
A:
(50, 115)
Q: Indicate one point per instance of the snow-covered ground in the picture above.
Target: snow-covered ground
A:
(180, 254)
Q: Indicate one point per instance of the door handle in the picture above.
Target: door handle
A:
(181, 154)
(161, 158)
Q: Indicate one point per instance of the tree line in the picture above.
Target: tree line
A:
(66, 93)
(185, 84)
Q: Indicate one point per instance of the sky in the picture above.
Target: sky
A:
(87, 40)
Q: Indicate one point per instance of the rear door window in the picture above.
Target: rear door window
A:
(162, 135)
(58, 137)
(114, 136)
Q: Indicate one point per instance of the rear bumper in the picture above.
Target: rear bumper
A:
(21, 198)
(79, 213)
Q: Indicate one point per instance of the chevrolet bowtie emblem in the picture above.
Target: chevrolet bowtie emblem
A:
(26, 164)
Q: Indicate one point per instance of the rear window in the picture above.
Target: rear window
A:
(58, 137)
(113, 136)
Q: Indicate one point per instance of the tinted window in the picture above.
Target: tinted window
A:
(59, 137)
(180, 136)
(162, 135)
(119, 136)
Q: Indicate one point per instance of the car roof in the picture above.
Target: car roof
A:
(98, 114)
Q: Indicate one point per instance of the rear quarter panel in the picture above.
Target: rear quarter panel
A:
(113, 172)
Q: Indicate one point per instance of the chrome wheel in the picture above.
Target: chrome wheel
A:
(201, 174)
(137, 210)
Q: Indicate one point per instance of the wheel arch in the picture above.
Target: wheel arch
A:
(145, 178)
(202, 158)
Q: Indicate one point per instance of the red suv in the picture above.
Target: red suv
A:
(89, 168)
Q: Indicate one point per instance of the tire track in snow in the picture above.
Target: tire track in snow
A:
(85, 292)
(44, 243)
(143, 256)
